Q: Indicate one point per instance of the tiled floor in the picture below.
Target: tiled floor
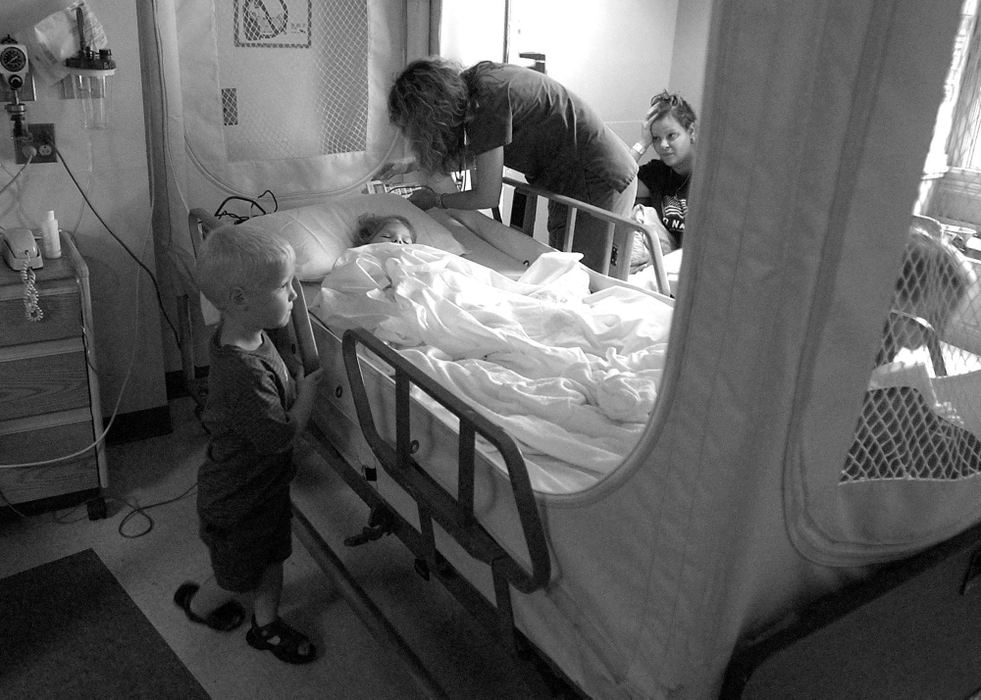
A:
(151, 558)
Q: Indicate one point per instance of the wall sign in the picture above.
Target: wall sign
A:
(273, 23)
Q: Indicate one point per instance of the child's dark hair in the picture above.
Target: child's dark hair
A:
(371, 224)
(674, 104)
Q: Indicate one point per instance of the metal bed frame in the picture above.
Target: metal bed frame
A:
(619, 236)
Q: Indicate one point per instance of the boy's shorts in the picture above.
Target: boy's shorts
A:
(241, 553)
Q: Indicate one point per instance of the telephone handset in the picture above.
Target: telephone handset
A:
(21, 254)
(19, 247)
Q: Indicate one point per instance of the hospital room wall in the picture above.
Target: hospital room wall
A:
(111, 167)
(614, 54)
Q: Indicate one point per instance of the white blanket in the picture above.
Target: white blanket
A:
(568, 373)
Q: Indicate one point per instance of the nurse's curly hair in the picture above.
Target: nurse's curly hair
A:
(430, 102)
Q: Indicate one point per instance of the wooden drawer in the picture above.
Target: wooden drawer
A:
(45, 437)
(62, 315)
(43, 378)
(34, 483)
(49, 393)
(29, 440)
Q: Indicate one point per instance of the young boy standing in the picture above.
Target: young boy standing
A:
(253, 413)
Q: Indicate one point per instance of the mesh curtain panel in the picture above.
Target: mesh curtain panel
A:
(293, 84)
(921, 418)
(288, 95)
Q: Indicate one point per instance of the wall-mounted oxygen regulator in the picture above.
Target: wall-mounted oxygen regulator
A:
(37, 140)
(13, 64)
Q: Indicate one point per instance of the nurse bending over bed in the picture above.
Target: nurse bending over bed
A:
(494, 115)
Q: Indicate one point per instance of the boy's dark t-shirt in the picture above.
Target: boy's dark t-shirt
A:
(669, 196)
(250, 450)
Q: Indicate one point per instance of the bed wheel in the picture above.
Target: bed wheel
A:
(380, 523)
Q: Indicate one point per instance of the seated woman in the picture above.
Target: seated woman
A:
(662, 189)
(390, 228)
(906, 430)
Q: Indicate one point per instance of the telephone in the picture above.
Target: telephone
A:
(19, 246)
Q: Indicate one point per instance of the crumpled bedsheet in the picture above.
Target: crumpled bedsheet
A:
(568, 373)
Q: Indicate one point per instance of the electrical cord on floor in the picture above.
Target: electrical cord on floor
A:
(136, 510)
(156, 285)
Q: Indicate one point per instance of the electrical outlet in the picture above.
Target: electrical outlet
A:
(42, 138)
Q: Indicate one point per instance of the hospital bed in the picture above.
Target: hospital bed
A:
(478, 516)
(467, 497)
(498, 521)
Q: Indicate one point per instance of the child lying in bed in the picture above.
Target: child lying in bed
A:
(389, 228)
(571, 374)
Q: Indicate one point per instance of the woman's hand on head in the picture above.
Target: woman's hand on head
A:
(645, 129)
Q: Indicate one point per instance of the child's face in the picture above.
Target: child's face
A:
(394, 232)
(269, 304)
(672, 142)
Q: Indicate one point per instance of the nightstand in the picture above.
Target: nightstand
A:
(49, 390)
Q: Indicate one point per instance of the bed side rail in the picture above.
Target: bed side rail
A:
(453, 513)
(620, 231)
(199, 223)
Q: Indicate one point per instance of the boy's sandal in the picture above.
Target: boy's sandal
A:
(224, 618)
(282, 640)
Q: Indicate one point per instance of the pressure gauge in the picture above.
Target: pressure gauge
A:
(13, 64)
(13, 58)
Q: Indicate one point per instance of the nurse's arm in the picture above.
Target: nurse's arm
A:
(487, 181)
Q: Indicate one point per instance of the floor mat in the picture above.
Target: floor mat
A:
(69, 629)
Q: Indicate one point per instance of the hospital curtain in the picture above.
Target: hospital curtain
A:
(281, 102)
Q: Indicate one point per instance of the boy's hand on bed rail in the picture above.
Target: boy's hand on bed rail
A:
(308, 382)
(306, 394)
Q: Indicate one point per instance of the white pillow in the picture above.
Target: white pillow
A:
(319, 233)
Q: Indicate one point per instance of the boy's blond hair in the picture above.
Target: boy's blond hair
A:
(240, 256)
